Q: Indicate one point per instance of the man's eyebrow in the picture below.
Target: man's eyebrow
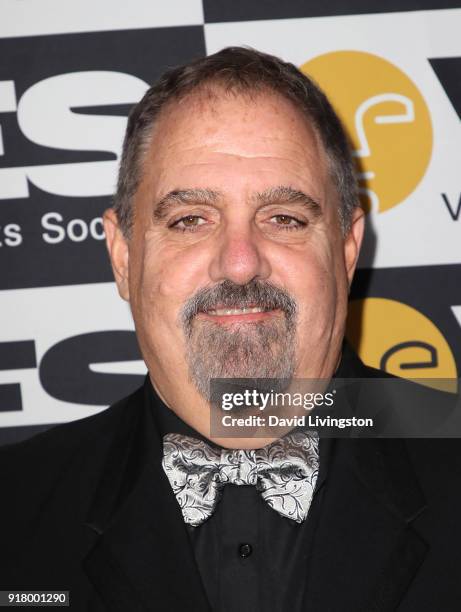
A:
(288, 195)
(183, 196)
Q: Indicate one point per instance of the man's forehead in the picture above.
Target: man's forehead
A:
(188, 152)
(183, 141)
(214, 104)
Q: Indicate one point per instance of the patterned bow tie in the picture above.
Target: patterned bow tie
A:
(284, 472)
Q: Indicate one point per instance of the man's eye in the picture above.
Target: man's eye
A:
(287, 222)
(189, 222)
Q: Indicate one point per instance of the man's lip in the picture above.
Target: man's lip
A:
(218, 316)
(226, 307)
(230, 310)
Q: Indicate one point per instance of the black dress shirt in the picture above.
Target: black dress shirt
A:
(249, 557)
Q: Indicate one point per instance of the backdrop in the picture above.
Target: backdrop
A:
(69, 73)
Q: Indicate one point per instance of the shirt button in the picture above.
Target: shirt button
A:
(245, 550)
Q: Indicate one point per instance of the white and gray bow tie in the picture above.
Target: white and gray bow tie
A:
(284, 472)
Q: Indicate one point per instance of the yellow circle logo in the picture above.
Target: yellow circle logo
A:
(401, 340)
(387, 120)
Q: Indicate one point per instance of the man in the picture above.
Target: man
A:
(234, 237)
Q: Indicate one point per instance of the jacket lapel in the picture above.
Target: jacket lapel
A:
(365, 550)
(142, 558)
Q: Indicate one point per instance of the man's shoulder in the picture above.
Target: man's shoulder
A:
(437, 462)
(42, 456)
(436, 455)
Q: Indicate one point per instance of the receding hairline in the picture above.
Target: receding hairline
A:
(217, 89)
(213, 89)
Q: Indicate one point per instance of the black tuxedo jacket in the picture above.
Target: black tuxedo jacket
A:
(86, 507)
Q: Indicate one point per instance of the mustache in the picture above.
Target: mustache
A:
(227, 294)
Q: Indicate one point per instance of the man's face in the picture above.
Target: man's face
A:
(235, 210)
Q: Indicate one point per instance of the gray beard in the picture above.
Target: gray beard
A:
(247, 350)
(261, 349)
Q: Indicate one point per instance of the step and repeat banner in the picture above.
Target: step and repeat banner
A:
(69, 74)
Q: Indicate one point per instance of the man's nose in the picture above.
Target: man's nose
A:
(240, 258)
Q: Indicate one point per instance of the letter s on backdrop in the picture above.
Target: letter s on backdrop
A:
(45, 116)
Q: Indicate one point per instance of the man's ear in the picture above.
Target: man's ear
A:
(353, 242)
(117, 246)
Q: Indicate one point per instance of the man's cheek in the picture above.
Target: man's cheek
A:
(182, 274)
(171, 292)
(155, 275)
(317, 305)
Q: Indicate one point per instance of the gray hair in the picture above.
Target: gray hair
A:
(238, 70)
